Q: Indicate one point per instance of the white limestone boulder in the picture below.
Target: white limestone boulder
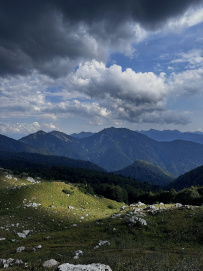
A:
(80, 267)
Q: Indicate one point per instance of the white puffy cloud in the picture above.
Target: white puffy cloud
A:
(187, 83)
(97, 94)
(126, 94)
(25, 128)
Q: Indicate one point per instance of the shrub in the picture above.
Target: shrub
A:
(67, 191)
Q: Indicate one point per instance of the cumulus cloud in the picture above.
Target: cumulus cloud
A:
(99, 95)
(25, 128)
(126, 93)
(187, 83)
(53, 36)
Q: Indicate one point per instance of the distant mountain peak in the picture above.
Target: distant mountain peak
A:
(40, 132)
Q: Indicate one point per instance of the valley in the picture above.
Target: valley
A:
(74, 210)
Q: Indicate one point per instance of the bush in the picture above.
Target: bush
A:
(67, 191)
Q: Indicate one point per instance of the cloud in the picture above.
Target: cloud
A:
(190, 18)
(194, 58)
(25, 128)
(186, 83)
(165, 117)
(99, 95)
(22, 96)
(53, 36)
(126, 93)
(75, 107)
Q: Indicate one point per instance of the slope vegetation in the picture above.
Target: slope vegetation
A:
(43, 220)
(55, 143)
(191, 178)
(114, 149)
(146, 172)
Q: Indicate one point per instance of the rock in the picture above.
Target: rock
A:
(6, 263)
(50, 263)
(18, 262)
(71, 207)
(178, 205)
(101, 243)
(23, 234)
(80, 267)
(134, 219)
(20, 249)
(32, 204)
(139, 204)
(38, 247)
(77, 254)
(151, 207)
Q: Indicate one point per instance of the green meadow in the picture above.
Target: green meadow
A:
(59, 218)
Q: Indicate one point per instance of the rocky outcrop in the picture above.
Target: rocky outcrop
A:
(50, 263)
(80, 267)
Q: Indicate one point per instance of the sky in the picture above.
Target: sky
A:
(80, 65)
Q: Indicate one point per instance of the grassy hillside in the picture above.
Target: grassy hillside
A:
(146, 172)
(191, 178)
(58, 219)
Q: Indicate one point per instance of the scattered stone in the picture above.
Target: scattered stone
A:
(38, 247)
(178, 205)
(123, 208)
(150, 207)
(71, 207)
(77, 254)
(115, 215)
(23, 234)
(50, 263)
(32, 204)
(8, 177)
(20, 249)
(6, 263)
(139, 204)
(80, 267)
(102, 243)
(18, 262)
(134, 219)
(2, 239)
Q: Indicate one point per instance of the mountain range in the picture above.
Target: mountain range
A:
(112, 149)
(170, 135)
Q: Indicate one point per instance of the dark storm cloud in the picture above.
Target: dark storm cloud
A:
(52, 36)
